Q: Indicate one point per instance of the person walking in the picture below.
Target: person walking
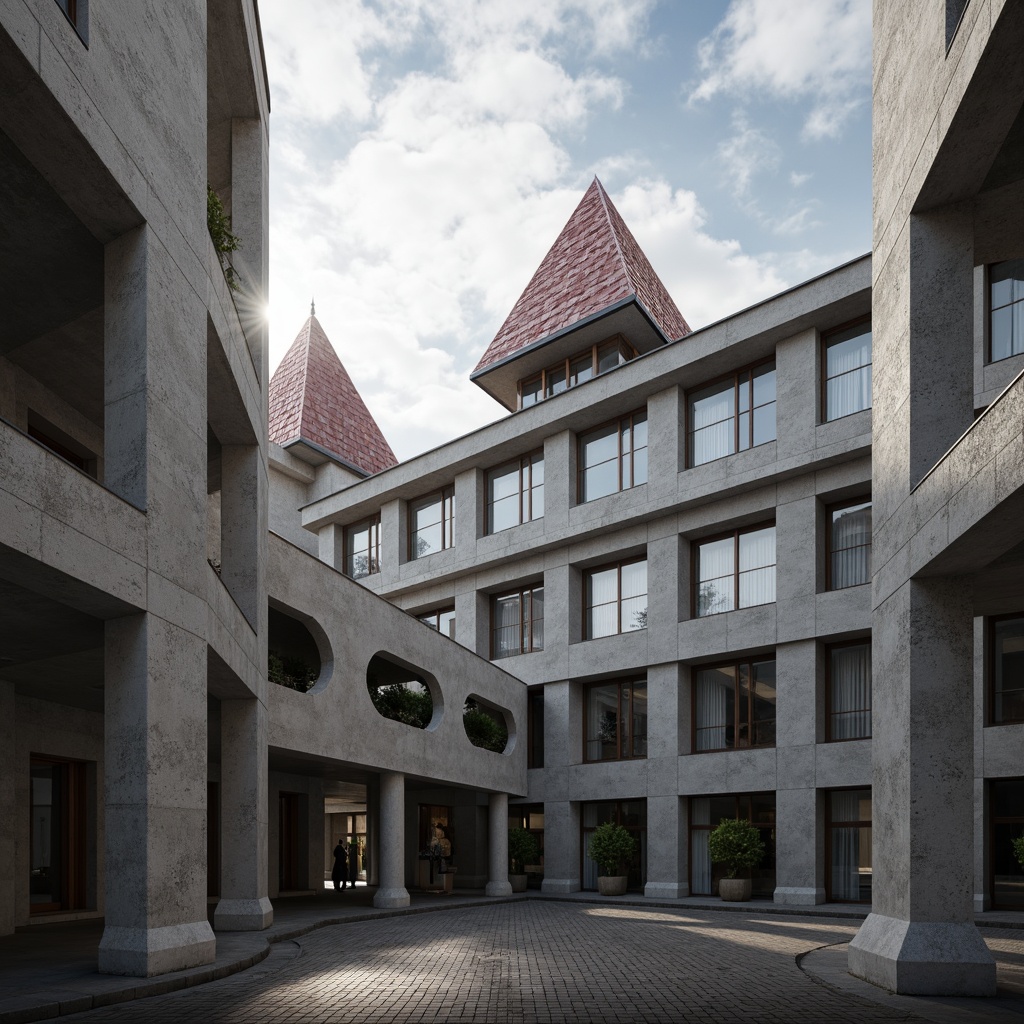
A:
(339, 873)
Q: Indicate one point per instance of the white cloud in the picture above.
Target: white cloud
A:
(746, 153)
(798, 178)
(816, 51)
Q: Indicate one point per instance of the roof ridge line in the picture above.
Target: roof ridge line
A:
(611, 224)
(305, 375)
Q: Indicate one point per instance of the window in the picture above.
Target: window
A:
(517, 622)
(567, 373)
(849, 845)
(613, 457)
(1006, 823)
(849, 545)
(735, 571)
(734, 706)
(432, 523)
(535, 728)
(443, 620)
(849, 691)
(515, 493)
(1006, 673)
(77, 13)
(530, 817)
(362, 548)
(58, 852)
(1006, 326)
(847, 370)
(632, 816)
(732, 415)
(615, 599)
(615, 721)
(706, 812)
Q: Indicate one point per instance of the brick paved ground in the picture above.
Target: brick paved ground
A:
(532, 962)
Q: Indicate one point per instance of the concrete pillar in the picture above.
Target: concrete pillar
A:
(244, 904)
(392, 892)
(561, 847)
(497, 846)
(559, 480)
(799, 848)
(470, 509)
(331, 546)
(9, 769)
(155, 795)
(666, 421)
(667, 860)
(920, 937)
(241, 512)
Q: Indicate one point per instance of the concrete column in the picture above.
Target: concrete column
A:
(666, 421)
(561, 847)
(9, 769)
(667, 860)
(470, 510)
(155, 795)
(392, 892)
(497, 846)
(799, 848)
(331, 546)
(920, 937)
(240, 533)
(666, 591)
(244, 904)
(559, 480)
(394, 528)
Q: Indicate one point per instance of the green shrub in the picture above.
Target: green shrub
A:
(291, 672)
(611, 848)
(224, 242)
(484, 729)
(403, 704)
(523, 849)
(736, 844)
(1018, 849)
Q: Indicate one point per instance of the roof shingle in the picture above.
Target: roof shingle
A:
(312, 398)
(594, 263)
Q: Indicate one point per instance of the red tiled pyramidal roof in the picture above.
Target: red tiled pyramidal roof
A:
(594, 263)
(312, 398)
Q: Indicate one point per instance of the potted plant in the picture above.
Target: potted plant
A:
(523, 849)
(737, 845)
(611, 848)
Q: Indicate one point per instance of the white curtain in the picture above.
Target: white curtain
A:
(846, 843)
(849, 376)
(851, 547)
(851, 692)
(602, 591)
(712, 425)
(713, 689)
(757, 567)
(716, 585)
(506, 626)
(634, 596)
(700, 859)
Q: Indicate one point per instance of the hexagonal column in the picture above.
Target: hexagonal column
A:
(392, 892)
(497, 845)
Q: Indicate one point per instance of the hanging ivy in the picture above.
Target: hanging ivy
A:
(224, 242)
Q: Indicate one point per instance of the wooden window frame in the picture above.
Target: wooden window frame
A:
(445, 498)
(526, 465)
(829, 826)
(826, 341)
(587, 608)
(436, 614)
(735, 665)
(638, 832)
(626, 351)
(629, 420)
(830, 548)
(632, 683)
(695, 563)
(373, 546)
(990, 668)
(864, 641)
(525, 625)
(734, 378)
(766, 829)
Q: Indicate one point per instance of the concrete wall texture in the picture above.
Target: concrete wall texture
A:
(139, 604)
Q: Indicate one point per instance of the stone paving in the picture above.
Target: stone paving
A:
(544, 961)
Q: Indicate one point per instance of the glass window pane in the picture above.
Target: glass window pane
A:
(446, 623)
(757, 548)
(1002, 333)
(716, 558)
(531, 392)
(602, 722)
(600, 480)
(607, 357)
(639, 467)
(764, 424)
(602, 620)
(537, 502)
(634, 579)
(426, 541)
(599, 447)
(556, 381)
(504, 481)
(639, 720)
(1008, 668)
(581, 369)
(504, 514)
(764, 385)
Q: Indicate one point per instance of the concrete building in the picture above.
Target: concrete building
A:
(150, 774)
(691, 574)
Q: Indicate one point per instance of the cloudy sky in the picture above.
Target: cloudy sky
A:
(426, 153)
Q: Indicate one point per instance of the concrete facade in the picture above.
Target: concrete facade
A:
(151, 774)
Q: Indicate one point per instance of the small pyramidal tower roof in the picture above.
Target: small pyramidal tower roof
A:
(594, 264)
(313, 399)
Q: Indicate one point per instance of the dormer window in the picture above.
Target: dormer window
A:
(575, 369)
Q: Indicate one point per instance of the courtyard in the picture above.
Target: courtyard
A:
(543, 960)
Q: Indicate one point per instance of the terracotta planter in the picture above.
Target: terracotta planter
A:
(734, 890)
(518, 882)
(612, 885)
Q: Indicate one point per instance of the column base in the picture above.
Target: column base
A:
(498, 888)
(798, 895)
(145, 952)
(560, 885)
(923, 958)
(391, 899)
(666, 890)
(243, 915)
